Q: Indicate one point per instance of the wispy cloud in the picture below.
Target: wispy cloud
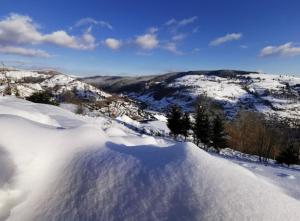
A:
(152, 30)
(187, 21)
(288, 49)
(91, 21)
(244, 46)
(179, 36)
(172, 47)
(226, 38)
(181, 23)
(23, 51)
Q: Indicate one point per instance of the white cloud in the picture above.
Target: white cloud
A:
(153, 30)
(179, 37)
(61, 38)
(181, 23)
(91, 21)
(112, 43)
(288, 49)
(171, 22)
(226, 38)
(23, 51)
(172, 47)
(147, 41)
(19, 30)
(187, 21)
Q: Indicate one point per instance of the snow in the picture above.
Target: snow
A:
(56, 82)
(214, 87)
(271, 94)
(286, 178)
(21, 74)
(56, 165)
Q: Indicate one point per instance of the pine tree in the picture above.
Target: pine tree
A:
(174, 121)
(288, 156)
(201, 127)
(186, 125)
(218, 134)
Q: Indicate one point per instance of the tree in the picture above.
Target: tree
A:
(174, 120)
(44, 97)
(201, 126)
(289, 156)
(186, 125)
(218, 133)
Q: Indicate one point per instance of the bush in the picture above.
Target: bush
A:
(288, 156)
(43, 97)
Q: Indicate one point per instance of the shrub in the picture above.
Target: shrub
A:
(288, 156)
(43, 97)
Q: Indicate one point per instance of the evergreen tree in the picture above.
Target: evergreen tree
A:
(218, 133)
(174, 121)
(288, 156)
(201, 127)
(44, 97)
(186, 125)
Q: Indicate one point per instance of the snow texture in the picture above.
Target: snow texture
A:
(55, 165)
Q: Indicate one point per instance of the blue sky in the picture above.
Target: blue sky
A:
(150, 37)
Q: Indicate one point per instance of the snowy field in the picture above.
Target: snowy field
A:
(56, 165)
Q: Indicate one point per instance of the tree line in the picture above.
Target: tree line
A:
(206, 128)
(249, 132)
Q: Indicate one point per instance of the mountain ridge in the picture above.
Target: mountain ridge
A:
(235, 90)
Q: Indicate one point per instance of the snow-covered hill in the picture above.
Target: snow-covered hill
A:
(67, 89)
(24, 83)
(56, 165)
(234, 90)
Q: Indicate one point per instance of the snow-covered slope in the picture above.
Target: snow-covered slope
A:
(56, 165)
(24, 83)
(67, 89)
(269, 94)
(234, 90)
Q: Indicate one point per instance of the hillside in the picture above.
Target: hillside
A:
(234, 90)
(67, 89)
(56, 165)
(24, 83)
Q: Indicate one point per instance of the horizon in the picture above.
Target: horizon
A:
(140, 75)
(133, 39)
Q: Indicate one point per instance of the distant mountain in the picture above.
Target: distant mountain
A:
(233, 90)
(67, 89)
(24, 83)
(128, 84)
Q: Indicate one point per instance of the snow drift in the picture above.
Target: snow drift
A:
(80, 172)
